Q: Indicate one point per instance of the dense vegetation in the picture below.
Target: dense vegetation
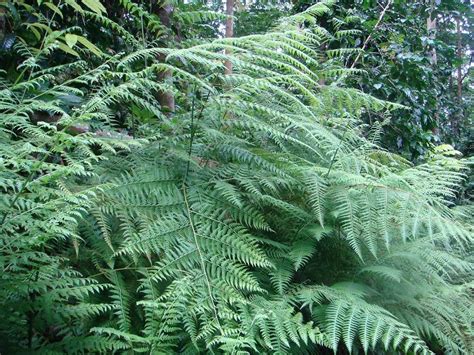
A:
(166, 189)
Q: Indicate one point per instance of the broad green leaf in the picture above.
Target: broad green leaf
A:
(41, 26)
(54, 8)
(95, 6)
(86, 43)
(75, 5)
(67, 49)
(53, 36)
(71, 40)
(36, 33)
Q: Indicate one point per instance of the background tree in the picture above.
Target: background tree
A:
(400, 67)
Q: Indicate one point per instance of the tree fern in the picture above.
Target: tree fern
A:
(256, 218)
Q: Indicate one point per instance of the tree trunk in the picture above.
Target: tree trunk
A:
(457, 118)
(459, 54)
(229, 31)
(2, 21)
(431, 29)
(166, 99)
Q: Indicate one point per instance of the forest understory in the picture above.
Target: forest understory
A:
(257, 177)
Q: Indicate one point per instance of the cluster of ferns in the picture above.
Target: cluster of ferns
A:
(261, 216)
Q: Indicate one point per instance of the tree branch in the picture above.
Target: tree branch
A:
(382, 14)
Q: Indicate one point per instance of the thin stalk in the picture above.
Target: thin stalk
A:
(188, 213)
(367, 40)
(201, 257)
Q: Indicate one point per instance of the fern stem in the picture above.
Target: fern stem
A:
(201, 257)
(188, 212)
(191, 139)
(192, 130)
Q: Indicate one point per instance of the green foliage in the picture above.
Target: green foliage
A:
(416, 66)
(260, 217)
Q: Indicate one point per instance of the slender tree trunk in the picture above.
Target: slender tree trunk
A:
(431, 28)
(166, 99)
(459, 78)
(2, 21)
(459, 54)
(229, 31)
